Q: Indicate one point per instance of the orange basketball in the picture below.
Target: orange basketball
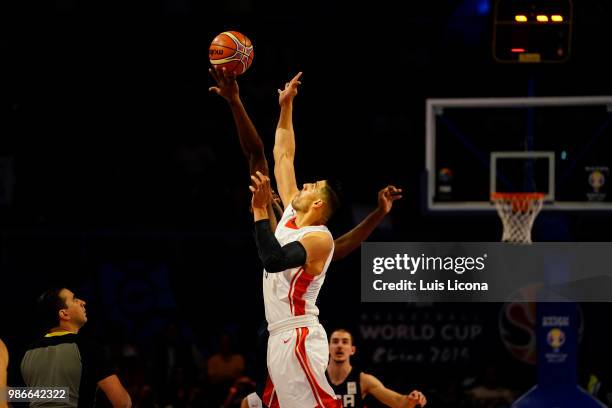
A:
(231, 50)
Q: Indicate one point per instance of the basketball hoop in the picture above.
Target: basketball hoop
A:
(517, 212)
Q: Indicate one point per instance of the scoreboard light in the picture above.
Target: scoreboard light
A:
(532, 31)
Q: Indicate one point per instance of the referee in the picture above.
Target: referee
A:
(62, 358)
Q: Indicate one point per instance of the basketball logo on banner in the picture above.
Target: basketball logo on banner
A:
(597, 177)
(556, 338)
(517, 326)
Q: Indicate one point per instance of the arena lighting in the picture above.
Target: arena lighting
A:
(542, 28)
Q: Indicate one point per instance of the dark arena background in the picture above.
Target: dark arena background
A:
(122, 178)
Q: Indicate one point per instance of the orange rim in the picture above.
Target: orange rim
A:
(521, 202)
(517, 196)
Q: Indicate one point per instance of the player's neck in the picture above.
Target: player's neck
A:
(306, 219)
(338, 372)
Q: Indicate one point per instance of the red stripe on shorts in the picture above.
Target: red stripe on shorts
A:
(324, 400)
(269, 397)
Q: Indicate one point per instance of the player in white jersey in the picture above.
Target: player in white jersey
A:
(295, 259)
(297, 347)
(253, 149)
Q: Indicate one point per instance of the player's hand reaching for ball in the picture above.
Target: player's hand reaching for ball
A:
(286, 95)
(227, 86)
(416, 398)
(387, 196)
(262, 193)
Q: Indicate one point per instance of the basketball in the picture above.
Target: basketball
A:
(231, 50)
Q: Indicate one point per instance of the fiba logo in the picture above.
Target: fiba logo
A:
(445, 178)
(555, 338)
(597, 180)
(445, 175)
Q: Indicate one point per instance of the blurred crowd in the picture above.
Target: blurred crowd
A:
(177, 373)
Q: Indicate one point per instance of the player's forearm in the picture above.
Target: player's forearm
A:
(404, 401)
(350, 241)
(125, 402)
(274, 257)
(284, 143)
(250, 142)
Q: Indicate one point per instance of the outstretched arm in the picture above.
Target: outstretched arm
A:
(372, 385)
(350, 241)
(284, 143)
(250, 142)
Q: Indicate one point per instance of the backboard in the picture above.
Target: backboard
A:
(559, 146)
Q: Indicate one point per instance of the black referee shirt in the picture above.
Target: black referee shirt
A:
(65, 359)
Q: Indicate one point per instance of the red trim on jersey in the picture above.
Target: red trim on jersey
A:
(291, 288)
(324, 400)
(269, 397)
(291, 223)
(297, 289)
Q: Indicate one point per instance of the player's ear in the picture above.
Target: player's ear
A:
(353, 350)
(317, 203)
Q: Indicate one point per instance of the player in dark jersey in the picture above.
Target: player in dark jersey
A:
(352, 385)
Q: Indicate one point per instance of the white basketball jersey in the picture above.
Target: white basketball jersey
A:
(292, 292)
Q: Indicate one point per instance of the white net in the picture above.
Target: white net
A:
(517, 212)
